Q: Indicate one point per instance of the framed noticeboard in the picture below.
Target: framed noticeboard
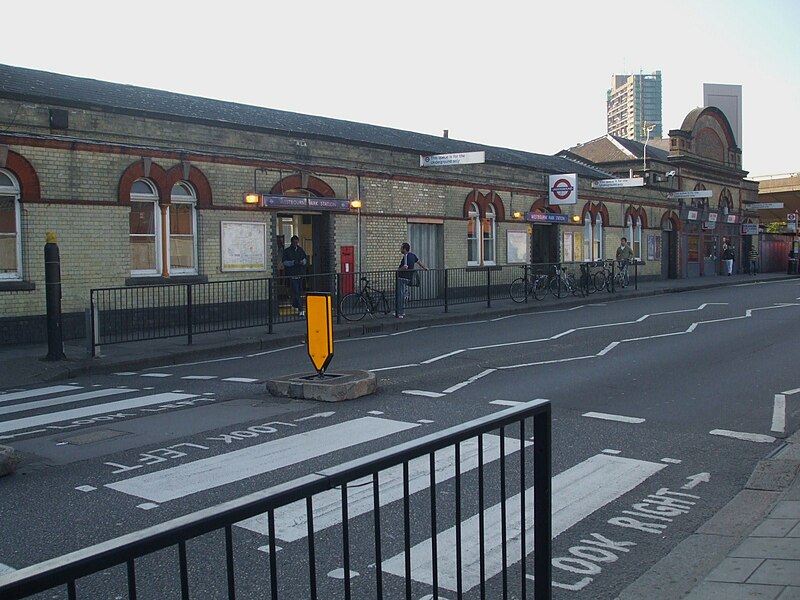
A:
(517, 247)
(243, 246)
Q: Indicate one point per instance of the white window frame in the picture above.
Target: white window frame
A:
(152, 197)
(637, 238)
(14, 191)
(189, 198)
(475, 217)
(597, 238)
(491, 218)
(587, 238)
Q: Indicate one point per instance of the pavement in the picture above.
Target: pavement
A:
(749, 549)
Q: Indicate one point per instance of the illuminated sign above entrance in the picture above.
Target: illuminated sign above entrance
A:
(540, 217)
(300, 203)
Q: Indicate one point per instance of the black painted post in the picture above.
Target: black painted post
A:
(52, 283)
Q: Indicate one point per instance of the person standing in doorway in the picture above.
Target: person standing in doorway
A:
(405, 272)
(294, 262)
(752, 257)
(727, 258)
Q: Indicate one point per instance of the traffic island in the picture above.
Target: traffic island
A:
(329, 387)
(8, 460)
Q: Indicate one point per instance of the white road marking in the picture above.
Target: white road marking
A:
(88, 411)
(86, 488)
(240, 379)
(208, 473)
(671, 461)
(435, 358)
(779, 414)
(63, 400)
(547, 362)
(5, 569)
(156, 374)
(748, 437)
(375, 412)
(394, 367)
(608, 348)
(423, 393)
(291, 522)
(506, 402)
(126, 373)
(55, 389)
(203, 377)
(610, 451)
(425, 421)
(147, 506)
(790, 392)
(608, 417)
(472, 379)
(265, 549)
(322, 415)
(577, 493)
(339, 574)
(277, 350)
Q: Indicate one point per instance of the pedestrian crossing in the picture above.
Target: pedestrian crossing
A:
(75, 406)
(163, 375)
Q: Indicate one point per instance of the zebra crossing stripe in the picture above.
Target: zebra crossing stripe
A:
(577, 493)
(208, 473)
(291, 521)
(5, 410)
(53, 389)
(89, 411)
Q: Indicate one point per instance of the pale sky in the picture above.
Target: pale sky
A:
(525, 75)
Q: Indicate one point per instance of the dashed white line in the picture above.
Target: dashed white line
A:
(435, 358)
(201, 377)
(86, 488)
(506, 402)
(790, 392)
(671, 461)
(240, 379)
(394, 367)
(277, 350)
(748, 437)
(608, 417)
(610, 451)
(156, 374)
(423, 393)
(472, 379)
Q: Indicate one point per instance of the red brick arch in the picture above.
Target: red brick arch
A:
(295, 182)
(482, 201)
(198, 180)
(633, 212)
(136, 171)
(27, 178)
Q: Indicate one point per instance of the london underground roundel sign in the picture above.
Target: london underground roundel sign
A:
(563, 189)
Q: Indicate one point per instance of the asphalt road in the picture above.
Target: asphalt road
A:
(686, 392)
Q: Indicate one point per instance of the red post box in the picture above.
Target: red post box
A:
(347, 260)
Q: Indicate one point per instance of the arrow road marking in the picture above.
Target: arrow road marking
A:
(321, 415)
(694, 480)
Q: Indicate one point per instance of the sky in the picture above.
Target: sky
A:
(518, 74)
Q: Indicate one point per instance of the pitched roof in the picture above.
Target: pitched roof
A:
(44, 87)
(612, 148)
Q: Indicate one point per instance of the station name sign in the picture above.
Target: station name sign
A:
(539, 217)
(300, 203)
(458, 158)
(618, 183)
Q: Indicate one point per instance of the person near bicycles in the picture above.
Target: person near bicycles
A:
(624, 256)
(405, 272)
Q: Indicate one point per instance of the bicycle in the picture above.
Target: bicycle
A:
(367, 300)
(602, 278)
(621, 278)
(529, 285)
(562, 282)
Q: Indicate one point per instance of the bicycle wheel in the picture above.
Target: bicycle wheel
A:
(558, 287)
(625, 280)
(353, 307)
(517, 289)
(540, 287)
(382, 304)
(574, 287)
(600, 280)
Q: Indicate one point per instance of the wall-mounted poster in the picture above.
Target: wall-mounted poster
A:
(517, 247)
(243, 246)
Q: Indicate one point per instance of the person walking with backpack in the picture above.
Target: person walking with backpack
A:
(727, 258)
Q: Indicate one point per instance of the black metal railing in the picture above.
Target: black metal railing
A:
(137, 313)
(126, 567)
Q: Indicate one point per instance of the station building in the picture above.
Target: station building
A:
(147, 187)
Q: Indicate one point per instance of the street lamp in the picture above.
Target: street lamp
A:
(357, 205)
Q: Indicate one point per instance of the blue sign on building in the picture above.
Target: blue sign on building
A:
(541, 217)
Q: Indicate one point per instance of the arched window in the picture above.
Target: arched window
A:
(473, 227)
(10, 242)
(490, 235)
(637, 238)
(597, 240)
(145, 229)
(182, 227)
(587, 237)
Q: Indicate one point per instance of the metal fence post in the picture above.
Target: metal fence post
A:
(189, 312)
(446, 289)
(488, 288)
(636, 274)
(270, 303)
(542, 505)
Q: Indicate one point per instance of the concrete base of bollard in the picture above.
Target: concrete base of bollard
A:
(332, 387)
(8, 460)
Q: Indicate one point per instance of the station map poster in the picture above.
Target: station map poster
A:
(243, 246)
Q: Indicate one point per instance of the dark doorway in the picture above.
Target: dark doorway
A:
(544, 244)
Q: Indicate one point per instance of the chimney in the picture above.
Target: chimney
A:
(446, 134)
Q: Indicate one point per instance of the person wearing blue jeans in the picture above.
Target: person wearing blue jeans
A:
(294, 262)
(404, 274)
